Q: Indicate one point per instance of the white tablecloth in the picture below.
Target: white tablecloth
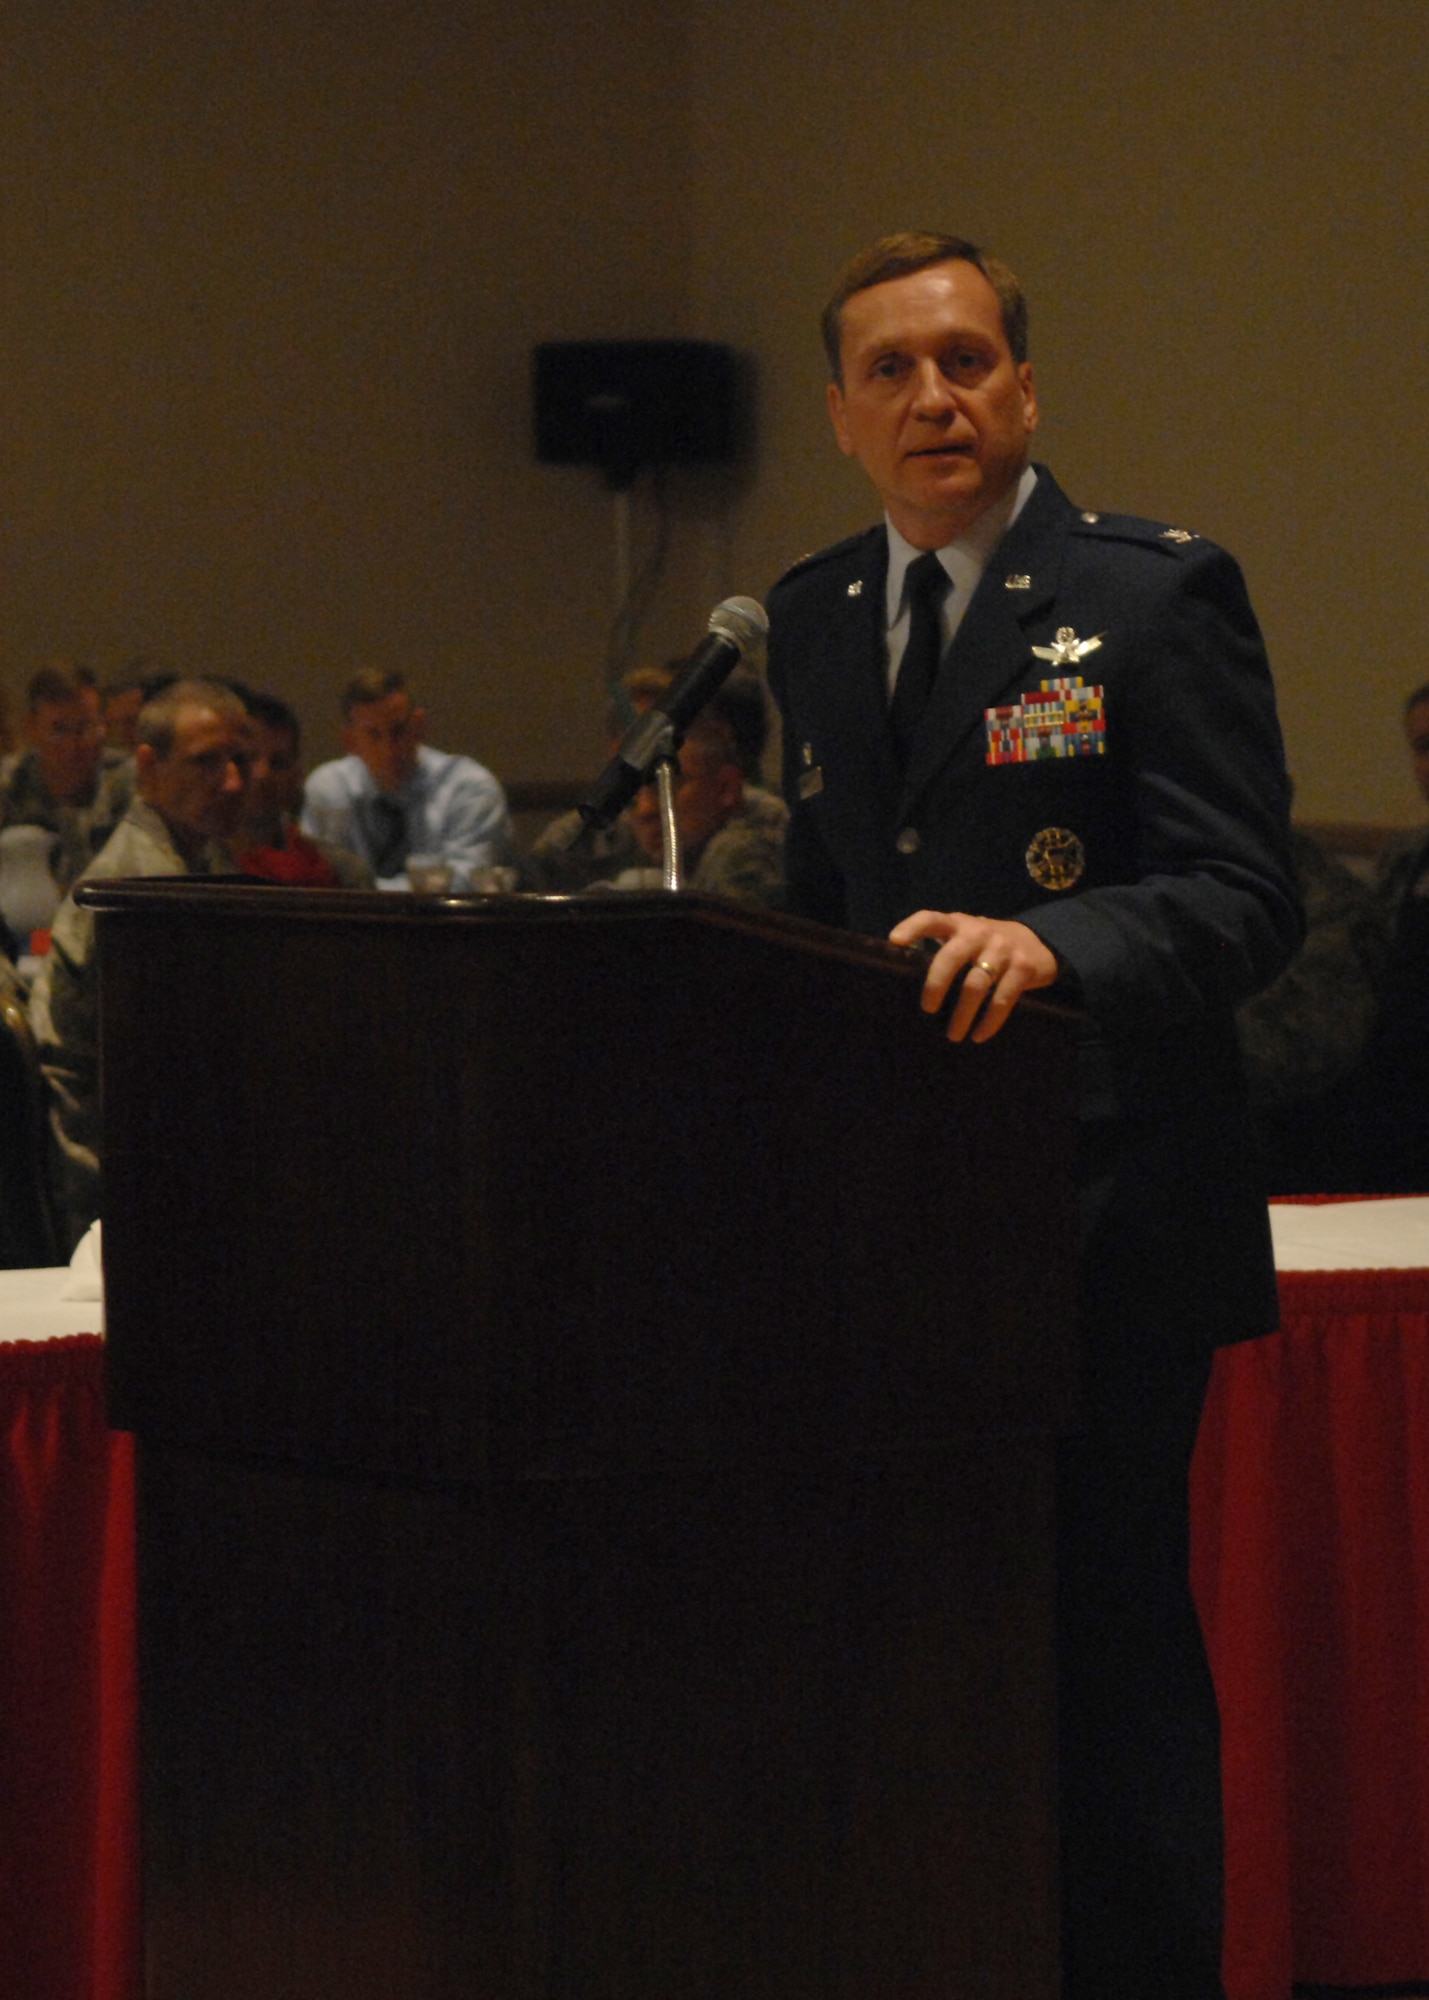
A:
(1388, 1235)
(49, 1303)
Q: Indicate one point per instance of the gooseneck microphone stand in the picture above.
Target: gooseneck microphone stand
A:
(667, 773)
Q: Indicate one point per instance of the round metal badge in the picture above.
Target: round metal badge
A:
(1056, 859)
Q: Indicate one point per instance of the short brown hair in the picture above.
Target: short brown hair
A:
(274, 713)
(914, 250)
(159, 717)
(735, 718)
(60, 681)
(371, 684)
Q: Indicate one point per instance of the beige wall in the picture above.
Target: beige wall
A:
(271, 277)
(1216, 210)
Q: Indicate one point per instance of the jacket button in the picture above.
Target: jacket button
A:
(909, 840)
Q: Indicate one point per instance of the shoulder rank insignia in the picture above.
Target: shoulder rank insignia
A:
(1062, 718)
(1067, 650)
(1055, 858)
(1177, 535)
(855, 589)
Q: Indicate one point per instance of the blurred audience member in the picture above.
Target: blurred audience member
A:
(192, 760)
(9, 749)
(122, 703)
(93, 699)
(1394, 1110)
(67, 781)
(391, 796)
(143, 677)
(1303, 1037)
(731, 830)
(1403, 874)
(269, 841)
(122, 699)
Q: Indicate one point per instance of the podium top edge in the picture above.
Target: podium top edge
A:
(242, 899)
(228, 899)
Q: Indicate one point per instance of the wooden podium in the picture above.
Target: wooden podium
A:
(596, 1364)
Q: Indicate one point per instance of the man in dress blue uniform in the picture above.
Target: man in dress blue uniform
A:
(1045, 739)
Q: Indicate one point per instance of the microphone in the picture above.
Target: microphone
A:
(736, 627)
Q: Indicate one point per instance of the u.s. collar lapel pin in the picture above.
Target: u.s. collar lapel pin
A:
(1018, 581)
(1067, 650)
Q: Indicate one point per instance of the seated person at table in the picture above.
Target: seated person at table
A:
(731, 831)
(269, 841)
(124, 696)
(1394, 1084)
(1303, 1037)
(9, 749)
(392, 796)
(1402, 875)
(67, 780)
(191, 765)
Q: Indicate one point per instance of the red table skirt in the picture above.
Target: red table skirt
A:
(69, 1890)
(1311, 1564)
(1310, 1505)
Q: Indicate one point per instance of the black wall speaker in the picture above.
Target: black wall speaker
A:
(621, 404)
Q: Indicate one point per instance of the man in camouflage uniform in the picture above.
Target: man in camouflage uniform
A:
(731, 831)
(193, 756)
(1303, 1038)
(67, 781)
(1394, 1084)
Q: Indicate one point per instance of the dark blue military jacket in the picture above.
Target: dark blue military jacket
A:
(1100, 760)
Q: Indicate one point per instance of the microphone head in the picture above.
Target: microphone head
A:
(741, 621)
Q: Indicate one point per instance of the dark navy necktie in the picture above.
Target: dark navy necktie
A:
(927, 586)
(388, 818)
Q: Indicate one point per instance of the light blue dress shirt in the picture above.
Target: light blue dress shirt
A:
(454, 808)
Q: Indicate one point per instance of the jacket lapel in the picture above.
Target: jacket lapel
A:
(990, 661)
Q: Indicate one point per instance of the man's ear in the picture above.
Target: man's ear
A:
(417, 724)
